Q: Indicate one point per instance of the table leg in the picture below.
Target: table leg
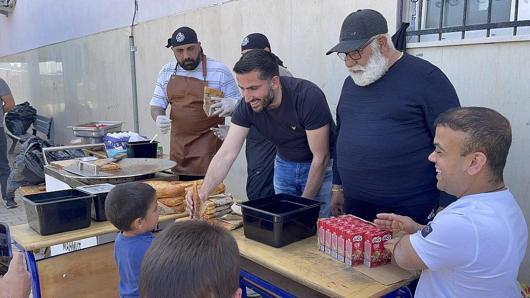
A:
(403, 292)
(262, 287)
(243, 287)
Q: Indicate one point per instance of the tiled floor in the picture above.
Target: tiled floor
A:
(14, 216)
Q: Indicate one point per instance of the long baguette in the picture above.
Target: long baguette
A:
(196, 202)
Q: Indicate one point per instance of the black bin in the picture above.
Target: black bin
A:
(280, 219)
(99, 191)
(142, 149)
(58, 211)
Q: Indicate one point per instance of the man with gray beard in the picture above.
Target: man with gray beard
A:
(385, 118)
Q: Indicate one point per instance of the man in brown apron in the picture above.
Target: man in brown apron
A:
(193, 144)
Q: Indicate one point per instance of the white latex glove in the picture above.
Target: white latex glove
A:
(163, 123)
(220, 131)
(223, 106)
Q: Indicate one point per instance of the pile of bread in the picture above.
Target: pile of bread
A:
(171, 194)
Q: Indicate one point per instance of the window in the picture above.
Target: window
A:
(464, 19)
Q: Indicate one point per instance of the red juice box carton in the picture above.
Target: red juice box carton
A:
(354, 247)
(341, 241)
(321, 233)
(375, 253)
(329, 229)
(334, 238)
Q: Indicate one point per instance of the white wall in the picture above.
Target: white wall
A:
(34, 24)
(495, 75)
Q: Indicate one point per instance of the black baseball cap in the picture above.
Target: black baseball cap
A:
(255, 41)
(182, 36)
(358, 28)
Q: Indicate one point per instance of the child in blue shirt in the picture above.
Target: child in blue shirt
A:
(133, 209)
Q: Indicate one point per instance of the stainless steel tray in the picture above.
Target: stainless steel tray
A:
(96, 129)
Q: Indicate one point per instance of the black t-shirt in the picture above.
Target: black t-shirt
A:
(386, 130)
(303, 107)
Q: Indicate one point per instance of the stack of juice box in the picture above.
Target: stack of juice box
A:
(353, 241)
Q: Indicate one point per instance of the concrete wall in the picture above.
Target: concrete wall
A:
(495, 75)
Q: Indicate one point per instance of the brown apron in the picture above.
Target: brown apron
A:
(193, 144)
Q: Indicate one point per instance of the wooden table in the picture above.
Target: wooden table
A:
(298, 269)
(89, 272)
(301, 269)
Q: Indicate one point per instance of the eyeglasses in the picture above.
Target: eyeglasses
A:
(355, 55)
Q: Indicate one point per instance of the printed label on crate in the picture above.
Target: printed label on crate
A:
(67, 247)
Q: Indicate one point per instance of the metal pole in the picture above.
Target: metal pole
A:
(132, 55)
(420, 16)
(516, 17)
(440, 25)
(464, 20)
(490, 3)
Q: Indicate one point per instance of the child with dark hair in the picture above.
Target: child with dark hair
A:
(132, 208)
(192, 259)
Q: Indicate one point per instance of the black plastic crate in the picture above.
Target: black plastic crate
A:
(280, 219)
(58, 211)
(142, 149)
(99, 191)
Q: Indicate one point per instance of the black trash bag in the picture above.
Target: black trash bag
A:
(28, 168)
(20, 176)
(399, 39)
(20, 118)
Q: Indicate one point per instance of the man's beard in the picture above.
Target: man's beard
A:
(375, 68)
(190, 64)
(265, 102)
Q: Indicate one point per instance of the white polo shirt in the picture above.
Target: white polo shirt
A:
(473, 248)
(218, 76)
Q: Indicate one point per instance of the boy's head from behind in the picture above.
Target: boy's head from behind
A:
(191, 259)
(132, 207)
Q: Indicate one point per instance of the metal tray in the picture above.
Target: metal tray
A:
(131, 169)
(96, 129)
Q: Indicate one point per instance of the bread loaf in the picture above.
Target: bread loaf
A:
(217, 214)
(171, 202)
(179, 209)
(208, 94)
(217, 190)
(166, 189)
(212, 211)
(110, 167)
